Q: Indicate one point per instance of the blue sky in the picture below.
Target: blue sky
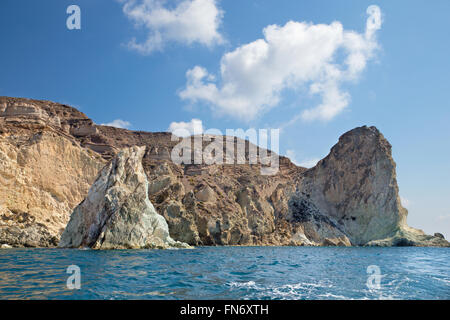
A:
(402, 87)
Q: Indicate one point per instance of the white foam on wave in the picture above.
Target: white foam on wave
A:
(302, 290)
(332, 296)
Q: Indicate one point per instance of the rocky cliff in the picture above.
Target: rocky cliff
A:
(356, 186)
(50, 154)
(44, 172)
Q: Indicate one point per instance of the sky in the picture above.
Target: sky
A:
(313, 69)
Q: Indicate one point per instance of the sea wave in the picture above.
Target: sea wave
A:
(226, 273)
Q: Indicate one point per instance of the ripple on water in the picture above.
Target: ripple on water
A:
(227, 273)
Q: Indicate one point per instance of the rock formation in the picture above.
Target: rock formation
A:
(356, 186)
(117, 213)
(50, 154)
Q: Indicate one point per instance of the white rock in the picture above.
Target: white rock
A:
(117, 213)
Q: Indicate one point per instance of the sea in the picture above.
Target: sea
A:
(292, 273)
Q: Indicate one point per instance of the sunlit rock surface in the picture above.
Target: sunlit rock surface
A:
(117, 213)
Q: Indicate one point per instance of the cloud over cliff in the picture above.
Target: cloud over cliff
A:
(183, 129)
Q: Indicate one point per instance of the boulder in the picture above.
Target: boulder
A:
(205, 194)
(410, 237)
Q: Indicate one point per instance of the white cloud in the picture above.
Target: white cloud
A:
(298, 55)
(307, 163)
(118, 123)
(191, 21)
(405, 202)
(183, 129)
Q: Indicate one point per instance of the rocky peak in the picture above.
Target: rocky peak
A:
(356, 185)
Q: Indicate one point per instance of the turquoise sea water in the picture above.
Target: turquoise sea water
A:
(227, 273)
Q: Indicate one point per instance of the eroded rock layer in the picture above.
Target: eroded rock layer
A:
(44, 174)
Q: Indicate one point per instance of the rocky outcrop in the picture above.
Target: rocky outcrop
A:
(410, 237)
(117, 213)
(355, 185)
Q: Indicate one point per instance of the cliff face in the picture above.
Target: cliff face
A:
(356, 185)
(50, 154)
(44, 174)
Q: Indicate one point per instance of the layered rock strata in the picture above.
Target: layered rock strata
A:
(50, 154)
